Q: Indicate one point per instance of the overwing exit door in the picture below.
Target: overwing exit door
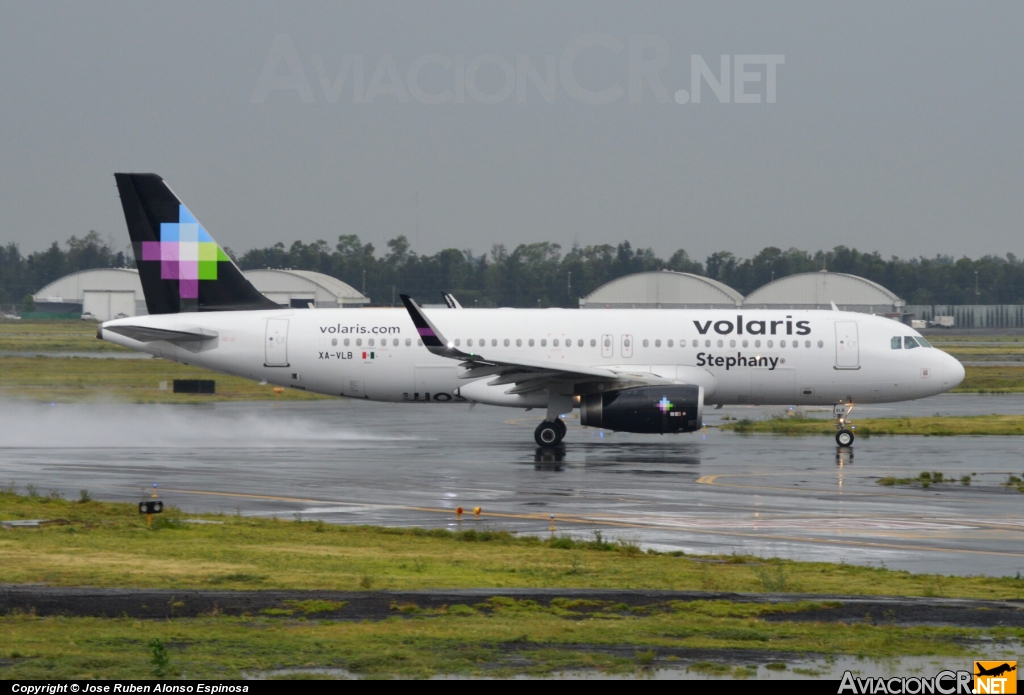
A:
(276, 343)
(607, 347)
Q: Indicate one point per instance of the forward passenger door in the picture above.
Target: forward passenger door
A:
(847, 347)
(627, 345)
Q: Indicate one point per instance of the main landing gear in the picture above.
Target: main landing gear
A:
(841, 412)
(549, 433)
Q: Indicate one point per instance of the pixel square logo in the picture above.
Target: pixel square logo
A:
(187, 253)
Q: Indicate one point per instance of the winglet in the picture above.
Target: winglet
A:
(834, 307)
(451, 301)
(429, 333)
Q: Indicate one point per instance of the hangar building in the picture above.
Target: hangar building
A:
(103, 292)
(818, 291)
(663, 289)
(300, 288)
(107, 293)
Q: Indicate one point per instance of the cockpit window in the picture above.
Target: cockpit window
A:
(909, 343)
(896, 343)
(922, 342)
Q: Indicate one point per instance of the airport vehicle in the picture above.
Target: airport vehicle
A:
(637, 370)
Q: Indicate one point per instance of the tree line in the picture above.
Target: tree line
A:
(542, 274)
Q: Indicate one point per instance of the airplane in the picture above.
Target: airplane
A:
(994, 671)
(635, 370)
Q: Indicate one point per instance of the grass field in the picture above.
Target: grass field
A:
(108, 545)
(104, 544)
(72, 379)
(1003, 425)
(53, 336)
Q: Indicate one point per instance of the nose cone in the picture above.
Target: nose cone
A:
(953, 372)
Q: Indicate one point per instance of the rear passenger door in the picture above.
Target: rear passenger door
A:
(607, 345)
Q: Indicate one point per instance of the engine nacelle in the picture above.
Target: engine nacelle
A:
(646, 409)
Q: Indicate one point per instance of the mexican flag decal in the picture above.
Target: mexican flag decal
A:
(369, 355)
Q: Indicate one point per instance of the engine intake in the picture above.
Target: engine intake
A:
(645, 409)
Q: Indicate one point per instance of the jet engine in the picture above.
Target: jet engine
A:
(646, 409)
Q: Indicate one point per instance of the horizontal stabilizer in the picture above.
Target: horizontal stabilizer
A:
(144, 334)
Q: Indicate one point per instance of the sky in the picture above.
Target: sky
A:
(890, 127)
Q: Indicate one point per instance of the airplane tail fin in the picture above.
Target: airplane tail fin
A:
(180, 265)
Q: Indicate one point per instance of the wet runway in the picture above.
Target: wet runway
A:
(412, 465)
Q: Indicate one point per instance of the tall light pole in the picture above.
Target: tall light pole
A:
(977, 294)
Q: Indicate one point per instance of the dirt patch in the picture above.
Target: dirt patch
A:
(377, 605)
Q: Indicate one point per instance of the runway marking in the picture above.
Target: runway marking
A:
(576, 519)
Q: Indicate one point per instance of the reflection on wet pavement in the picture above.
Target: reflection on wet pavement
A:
(403, 465)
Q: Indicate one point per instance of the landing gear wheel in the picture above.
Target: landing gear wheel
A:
(844, 437)
(548, 434)
(560, 424)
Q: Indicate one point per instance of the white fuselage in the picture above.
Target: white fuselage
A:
(739, 356)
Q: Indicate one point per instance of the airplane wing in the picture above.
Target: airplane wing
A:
(524, 376)
(144, 334)
(451, 301)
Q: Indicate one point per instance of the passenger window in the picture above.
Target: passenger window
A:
(519, 342)
(769, 343)
(482, 343)
(359, 341)
(607, 342)
(682, 343)
(909, 343)
(543, 342)
(531, 342)
(625, 343)
(554, 342)
(670, 343)
(395, 342)
(494, 342)
(408, 342)
(346, 342)
(896, 343)
(732, 343)
(371, 342)
(334, 341)
(707, 343)
(458, 342)
(657, 343)
(568, 342)
(419, 342)
(506, 342)
(745, 343)
(579, 343)
(646, 342)
(807, 343)
(821, 343)
(720, 343)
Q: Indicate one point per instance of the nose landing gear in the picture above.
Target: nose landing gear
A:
(549, 433)
(841, 412)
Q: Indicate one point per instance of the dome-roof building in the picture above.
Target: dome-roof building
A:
(819, 290)
(663, 289)
(109, 293)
